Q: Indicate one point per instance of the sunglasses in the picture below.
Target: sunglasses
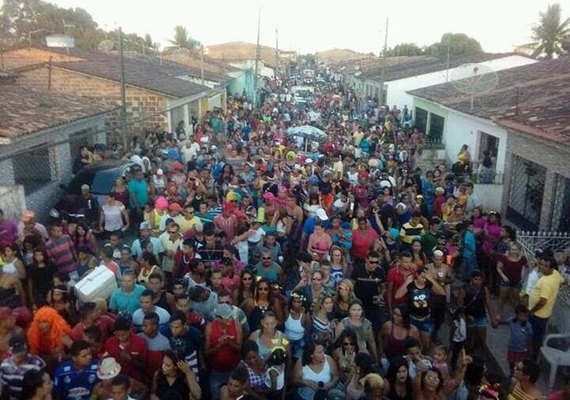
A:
(263, 289)
(268, 258)
(246, 279)
(346, 344)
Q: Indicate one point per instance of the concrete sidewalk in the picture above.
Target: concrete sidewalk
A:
(497, 343)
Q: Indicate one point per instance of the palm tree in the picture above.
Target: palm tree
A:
(182, 39)
(551, 34)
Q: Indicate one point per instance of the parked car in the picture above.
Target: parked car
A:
(100, 177)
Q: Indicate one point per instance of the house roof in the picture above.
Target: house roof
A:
(531, 99)
(241, 51)
(24, 110)
(407, 66)
(141, 73)
(173, 67)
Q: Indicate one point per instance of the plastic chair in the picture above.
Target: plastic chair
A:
(554, 356)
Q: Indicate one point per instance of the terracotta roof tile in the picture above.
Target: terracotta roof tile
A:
(535, 97)
(24, 110)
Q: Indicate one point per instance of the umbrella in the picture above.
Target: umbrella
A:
(307, 132)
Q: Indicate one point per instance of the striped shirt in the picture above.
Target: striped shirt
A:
(12, 375)
(60, 250)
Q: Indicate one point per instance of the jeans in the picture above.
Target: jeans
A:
(217, 380)
(538, 331)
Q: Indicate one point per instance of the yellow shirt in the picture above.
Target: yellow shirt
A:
(547, 288)
(186, 224)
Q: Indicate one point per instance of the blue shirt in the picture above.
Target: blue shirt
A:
(521, 335)
(140, 190)
(127, 302)
(73, 384)
(469, 245)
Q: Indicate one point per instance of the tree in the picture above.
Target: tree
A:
(551, 34)
(182, 39)
(405, 49)
(455, 44)
(23, 21)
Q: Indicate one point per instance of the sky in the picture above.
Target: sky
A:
(308, 26)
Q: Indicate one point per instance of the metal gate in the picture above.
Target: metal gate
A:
(526, 190)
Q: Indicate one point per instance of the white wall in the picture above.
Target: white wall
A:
(463, 129)
(397, 89)
(250, 64)
(491, 196)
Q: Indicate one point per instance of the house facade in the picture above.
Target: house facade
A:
(524, 125)
(37, 149)
(157, 95)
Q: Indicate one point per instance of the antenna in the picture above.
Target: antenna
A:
(474, 79)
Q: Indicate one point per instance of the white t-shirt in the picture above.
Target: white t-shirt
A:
(280, 376)
(113, 217)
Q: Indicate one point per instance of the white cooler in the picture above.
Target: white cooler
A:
(99, 283)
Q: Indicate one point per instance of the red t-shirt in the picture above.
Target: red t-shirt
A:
(397, 279)
(104, 322)
(361, 243)
(136, 347)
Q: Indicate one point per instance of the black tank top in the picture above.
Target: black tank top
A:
(475, 302)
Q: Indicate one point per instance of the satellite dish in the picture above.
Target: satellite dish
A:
(106, 45)
(474, 79)
(358, 73)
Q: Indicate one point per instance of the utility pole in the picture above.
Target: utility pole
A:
(381, 99)
(202, 64)
(276, 53)
(123, 89)
(257, 51)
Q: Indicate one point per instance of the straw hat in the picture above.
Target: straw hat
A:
(108, 368)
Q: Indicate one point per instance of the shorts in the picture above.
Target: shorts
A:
(510, 284)
(515, 357)
(425, 325)
(481, 322)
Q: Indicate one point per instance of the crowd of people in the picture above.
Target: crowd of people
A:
(262, 266)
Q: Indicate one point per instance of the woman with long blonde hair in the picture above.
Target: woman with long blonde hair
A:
(343, 297)
(339, 264)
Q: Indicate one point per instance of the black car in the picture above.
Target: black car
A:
(100, 177)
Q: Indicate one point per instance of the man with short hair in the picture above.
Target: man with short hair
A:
(156, 342)
(13, 368)
(542, 298)
(268, 268)
(370, 287)
(185, 340)
(146, 302)
(397, 275)
(525, 375)
(75, 378)
(121, 388)
(61, 251)
(145, 230)
(126, 297)
(411, 230)
(90, 315)
(128, 349)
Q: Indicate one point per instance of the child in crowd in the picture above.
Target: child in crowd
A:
(459, 335)
(440, 355)
(275, 374)
(520, 342)
(416, 360)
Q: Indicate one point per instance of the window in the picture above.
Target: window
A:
(561, 213)
(421, 119)
(32, 169)
(436, 128)
(526, 190)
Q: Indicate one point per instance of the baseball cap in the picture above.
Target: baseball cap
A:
(174, 207)
(18, 344)
(223, 311)
(145, 225)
